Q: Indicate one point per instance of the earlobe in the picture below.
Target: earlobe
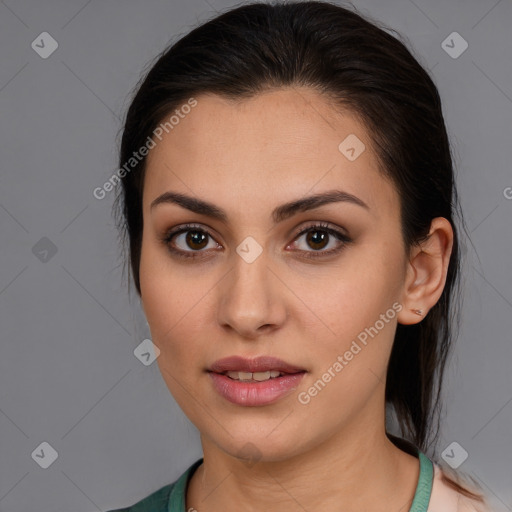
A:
(426, 272)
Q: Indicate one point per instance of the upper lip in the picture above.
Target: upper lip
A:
(258, 364)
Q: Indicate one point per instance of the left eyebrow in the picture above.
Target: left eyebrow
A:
(279, 214)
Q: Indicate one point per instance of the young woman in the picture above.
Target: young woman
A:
(288, 196)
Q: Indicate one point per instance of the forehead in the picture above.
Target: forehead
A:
(284, 142)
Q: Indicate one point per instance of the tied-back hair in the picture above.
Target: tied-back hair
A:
(360, 67)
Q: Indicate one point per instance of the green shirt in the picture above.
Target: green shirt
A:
(171, 498)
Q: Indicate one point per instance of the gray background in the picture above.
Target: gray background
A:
(68, 374)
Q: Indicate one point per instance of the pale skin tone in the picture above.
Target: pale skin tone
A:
(248, 158)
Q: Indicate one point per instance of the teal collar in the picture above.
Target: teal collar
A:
(419, 503)
(424, 488)
(177, 496)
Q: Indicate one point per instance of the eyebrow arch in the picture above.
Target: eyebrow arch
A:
(279, 214)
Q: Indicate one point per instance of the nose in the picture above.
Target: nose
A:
(251, 300)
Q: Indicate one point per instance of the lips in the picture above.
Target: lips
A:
(258, 364)
(253, 394)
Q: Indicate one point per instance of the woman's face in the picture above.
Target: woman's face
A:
(255, 287)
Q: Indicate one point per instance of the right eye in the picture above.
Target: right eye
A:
(188, 236)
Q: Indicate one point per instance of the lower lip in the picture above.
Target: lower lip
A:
(253, 394)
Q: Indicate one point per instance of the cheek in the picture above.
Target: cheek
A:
(173, 305)
(355, 325)
(172, 311)
(350, 358)
(352, 297)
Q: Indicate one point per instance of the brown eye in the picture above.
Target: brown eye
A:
(188, 241)
(196, 239)
(317, 239)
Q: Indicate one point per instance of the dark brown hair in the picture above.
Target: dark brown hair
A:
(361, 67)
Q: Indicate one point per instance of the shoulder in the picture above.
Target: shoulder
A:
(447, 494)
(168, 497)
(155, 502)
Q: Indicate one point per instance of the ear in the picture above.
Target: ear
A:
(426, 272)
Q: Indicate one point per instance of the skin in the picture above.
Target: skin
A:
(248, 157)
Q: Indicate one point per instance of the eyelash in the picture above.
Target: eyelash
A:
(321, 226)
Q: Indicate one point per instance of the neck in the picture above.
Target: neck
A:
(355, 469)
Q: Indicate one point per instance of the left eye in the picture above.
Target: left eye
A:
(319, 236)
(196, 238)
